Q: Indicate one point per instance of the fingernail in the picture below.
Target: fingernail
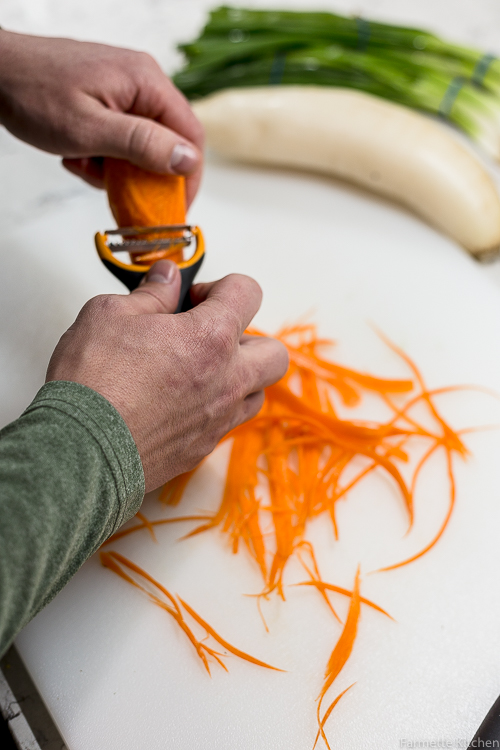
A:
(162, 272)
(184, 159)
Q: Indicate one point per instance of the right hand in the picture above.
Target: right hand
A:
(180, 382)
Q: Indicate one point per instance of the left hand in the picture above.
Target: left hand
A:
(83, 100)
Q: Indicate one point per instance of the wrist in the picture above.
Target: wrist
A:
(8, 71)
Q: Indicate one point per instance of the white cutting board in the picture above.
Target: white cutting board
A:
(112, 668)
(116, 673)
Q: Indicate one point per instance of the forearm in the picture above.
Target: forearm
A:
(70, 475)
(15, 81)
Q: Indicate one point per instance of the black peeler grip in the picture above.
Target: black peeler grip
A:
(187, 277)
(132, 279)
(488, 734)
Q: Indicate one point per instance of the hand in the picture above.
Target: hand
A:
(83, 100)
(180, 382)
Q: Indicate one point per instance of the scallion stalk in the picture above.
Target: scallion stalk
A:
(240, 47)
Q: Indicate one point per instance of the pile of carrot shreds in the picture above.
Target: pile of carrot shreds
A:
(293, 463)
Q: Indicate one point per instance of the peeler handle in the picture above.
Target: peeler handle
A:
(187, 277)
(132, 276)
(489, 731)
(132, 279)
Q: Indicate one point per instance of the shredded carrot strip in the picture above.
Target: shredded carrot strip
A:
(147, 525)
(340, 654)
(441, 531)
(316, 578)
(150, 525)
(329, 711)
(339, 590)
(173, 491)
(224, 643)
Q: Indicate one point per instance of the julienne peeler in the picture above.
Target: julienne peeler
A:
(488, 734)
(145, 246)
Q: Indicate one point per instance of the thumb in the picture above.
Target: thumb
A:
(147, 144)
(158, 292)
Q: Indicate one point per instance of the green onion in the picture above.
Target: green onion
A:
(240, 47)
(350, 31)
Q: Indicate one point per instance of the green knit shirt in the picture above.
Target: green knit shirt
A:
(70, 476)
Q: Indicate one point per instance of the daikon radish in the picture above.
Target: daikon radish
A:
(358, 137)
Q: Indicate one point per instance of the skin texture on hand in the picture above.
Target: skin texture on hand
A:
(84, 100)
(180, 382)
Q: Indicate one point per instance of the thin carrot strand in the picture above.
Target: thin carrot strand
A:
(341, 652)
(225, 644)
(329, 711)
(160, 522)
(441, 530)
(344, 592)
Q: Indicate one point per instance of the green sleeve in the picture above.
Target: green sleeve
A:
(70, 475)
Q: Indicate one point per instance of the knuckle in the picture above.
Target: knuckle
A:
(245, 284)
(259, 372)
(271, 365)
(145, 59)
(141, 139)
(104, 305)
(281, 358)
(241, 291)
(76, 130)
(232, 395)
(146, 69)
(251, 406)
(219, 338)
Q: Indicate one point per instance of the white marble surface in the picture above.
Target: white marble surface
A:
(108, 667)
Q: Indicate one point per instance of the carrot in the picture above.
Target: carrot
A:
(325, 370)
(145, 199)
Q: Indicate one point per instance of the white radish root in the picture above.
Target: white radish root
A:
(361, 138)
